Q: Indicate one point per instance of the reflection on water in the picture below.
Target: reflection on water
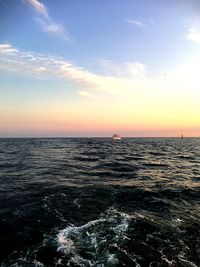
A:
(100, 202)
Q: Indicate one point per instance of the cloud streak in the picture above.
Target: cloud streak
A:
(137, 23)
(45, 22)
(124, 70)
(38, 6)
(126, 80)
(42, 66)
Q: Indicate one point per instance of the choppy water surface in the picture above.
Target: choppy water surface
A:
(99, 202)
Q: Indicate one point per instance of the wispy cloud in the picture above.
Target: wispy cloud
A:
(193, 35)
(127, 69)
(7, 49)
(137, 23)
(38, 6)
(45, 22)
(41, 66)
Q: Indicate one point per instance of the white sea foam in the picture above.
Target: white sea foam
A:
(38, 264)
(94, 239)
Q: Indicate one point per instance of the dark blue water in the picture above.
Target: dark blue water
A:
(99, 202)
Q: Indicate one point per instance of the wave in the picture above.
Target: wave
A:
(94, 243)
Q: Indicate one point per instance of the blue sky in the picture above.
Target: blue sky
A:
(54, 52)
(98, 29)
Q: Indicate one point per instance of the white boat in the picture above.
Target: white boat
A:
(116, 137)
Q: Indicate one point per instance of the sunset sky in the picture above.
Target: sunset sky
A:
(92, 68)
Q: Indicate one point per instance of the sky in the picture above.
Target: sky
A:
(73, 68)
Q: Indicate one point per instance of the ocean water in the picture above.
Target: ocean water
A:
(100, 202)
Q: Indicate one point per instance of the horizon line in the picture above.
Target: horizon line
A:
(123, 137)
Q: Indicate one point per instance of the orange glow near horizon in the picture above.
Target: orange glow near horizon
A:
(58, 123)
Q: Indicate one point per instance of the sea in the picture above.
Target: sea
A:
(100, 202)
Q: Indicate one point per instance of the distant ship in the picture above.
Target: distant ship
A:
(116, 137)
